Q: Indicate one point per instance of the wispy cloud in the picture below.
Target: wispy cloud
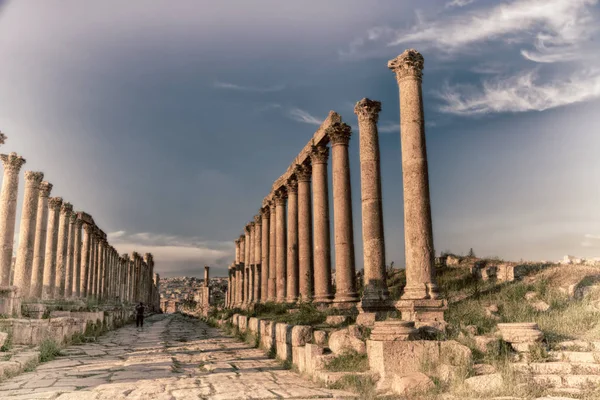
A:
(303, 116)
(519, 93)
(241, 88)
(458, 3)
(388, 127)
(591, 240)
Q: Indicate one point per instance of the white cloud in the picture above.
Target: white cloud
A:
(388, 127)
(459, 3)
(519, 93)
(302, 116)
(240, 88)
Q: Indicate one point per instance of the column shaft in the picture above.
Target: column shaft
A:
(54, 205)
(41, 228)
(305, 242)
(62, 251)
(85, 260)
(70, 257)
(24, 262)
(281, 248)
(77, 260)
(264, 256)
(322, 242)
(272, 280)
(258, 294)
(292, 241)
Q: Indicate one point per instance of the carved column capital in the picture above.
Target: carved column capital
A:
(72, 218)
(408, 64)
(66, 209)
(339, 133)
(34, 177)
(257, 219)
(280, 197)
(303, 172)
(265, 212)
(367, 109)
(88, 228)
(12, 162)
(45, 189)
(319, 154)
(54, 203)
(291, 185)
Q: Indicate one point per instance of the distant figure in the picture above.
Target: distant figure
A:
(139, 320)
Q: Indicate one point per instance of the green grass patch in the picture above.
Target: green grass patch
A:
(49, 350)
(364, 386)
(348, 362)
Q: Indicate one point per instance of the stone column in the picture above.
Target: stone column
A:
(150, 261)
(305, 242)
(41, 226)
(70, 272)
(264, 255)
(258, 293)
(322, 246)
(375, 293)
(101, 268)
(250, 266)
(237, 251)
(54, 205)
(24, 262)
(272, 281)
(418, 232)
(292, 241)
(281, 248)
(93, 264)
(8, 212)
(85, 260)
(247, 262)
(62, 251)
(78, 270)
(345, 273)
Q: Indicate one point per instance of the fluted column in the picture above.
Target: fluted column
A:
(418, 232)
(237, 251)
(77, 259)
(49, 289)
(8, 212)
(240, 279)
(272, 281)
(251, 281)
(62, 251)
(85, 260)
(375, 292)
(24, 262)
(292, 241)
(281, 248)
(322, 245)
(257, 267)
(41, 227)
(264, 255)
(93, 264)
(305, 242)
(345, 273)
(70, 257)
(101, 268)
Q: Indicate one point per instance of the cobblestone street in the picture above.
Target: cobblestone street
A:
(172, 357)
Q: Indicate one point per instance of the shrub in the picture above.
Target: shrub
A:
(49, 350)
(348, 362)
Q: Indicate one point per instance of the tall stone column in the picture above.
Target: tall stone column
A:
(70, 257)
(49, 286)
(345, 273)
(251, 281)
(93, 264)
(375, 293)
(272, 281)
(305, 242)
(85, 260)
(78, 270)
(258, 294)
(241, 278)
(62, 251)
(41, 227)
(247, 263)
(24, 262)
(150, 261)
(322, 244)
(8, 212)
(418, 232)
(237, 251)
(206, 272)
(264, 255)
(101, 268)
(281, 248)
(292, 240)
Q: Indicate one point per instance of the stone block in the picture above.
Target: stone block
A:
(366, 318)
(3, 337)
(10, 301)
(425, 312)
(253, 325)
(283, 341)
(299, 357)
(394, 329)
(57, 314)
(482, 343)
(336, 319)
(267, 338)
(346, 340)
(485, 383)
(410, 384)
(400, 358)
(9, 368)
(312, 360)
(34, 310)
(320, 338)
(301, 335)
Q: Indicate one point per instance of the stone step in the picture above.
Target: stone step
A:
(558, 368)
(566, 381)
(575, 356)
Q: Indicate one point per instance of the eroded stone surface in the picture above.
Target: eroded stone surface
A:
(173, 357)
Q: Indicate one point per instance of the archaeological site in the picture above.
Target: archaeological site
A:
(183, 217)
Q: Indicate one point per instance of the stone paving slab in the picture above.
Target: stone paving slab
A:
(171, 358)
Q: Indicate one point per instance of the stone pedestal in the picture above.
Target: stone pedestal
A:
(10, 301)
(393, 329)
(521, 335)
(424, 312)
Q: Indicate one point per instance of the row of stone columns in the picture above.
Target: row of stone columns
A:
(284, 254)
(54, 258)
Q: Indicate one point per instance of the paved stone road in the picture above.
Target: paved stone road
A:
(173, 357)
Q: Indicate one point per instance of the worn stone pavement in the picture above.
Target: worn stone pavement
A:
(172, 357)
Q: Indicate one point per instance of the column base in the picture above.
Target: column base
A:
(375, 298)
(10, 302)
(424, 312)
(420, 291)
(349, 297)
(323, 298)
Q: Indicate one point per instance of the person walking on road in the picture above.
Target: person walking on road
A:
(139, 319)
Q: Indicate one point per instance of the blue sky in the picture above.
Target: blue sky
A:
(168, 121)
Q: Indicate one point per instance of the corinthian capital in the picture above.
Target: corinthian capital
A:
(54, 203)
(34, 177)
(66, 209)
(408, 64)
(292, 185)
(319, 154)
(12, 162)
(265, 211)
(257, 219)
(368, 110)
(339, 133)
(45, 189)
(280, 197)
(303, 172)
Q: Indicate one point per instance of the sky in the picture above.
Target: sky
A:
(168, 121)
